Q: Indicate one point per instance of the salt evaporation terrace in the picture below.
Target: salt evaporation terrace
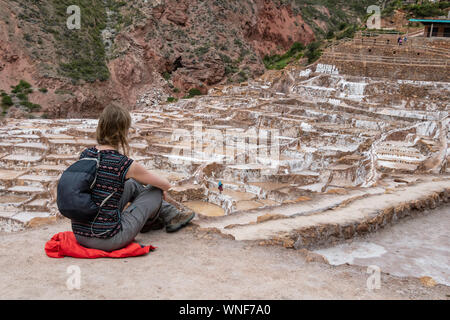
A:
(355, 153)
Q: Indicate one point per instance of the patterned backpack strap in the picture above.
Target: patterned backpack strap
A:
(103, 202)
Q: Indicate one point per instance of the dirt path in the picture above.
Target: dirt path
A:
(190, 265)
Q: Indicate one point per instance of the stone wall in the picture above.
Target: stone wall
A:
(390, 70)
(419, 59)
(323, 235)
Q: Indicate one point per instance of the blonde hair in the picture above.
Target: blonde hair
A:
(113, 126)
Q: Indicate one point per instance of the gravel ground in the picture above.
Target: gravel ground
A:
(190, 264)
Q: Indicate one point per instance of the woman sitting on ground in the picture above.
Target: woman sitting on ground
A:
(121, 181)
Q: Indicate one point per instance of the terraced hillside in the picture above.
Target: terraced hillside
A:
(307, 156)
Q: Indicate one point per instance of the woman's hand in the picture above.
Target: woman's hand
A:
(126, 206)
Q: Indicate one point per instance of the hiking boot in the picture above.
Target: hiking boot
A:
(179, 221)
(153, 225)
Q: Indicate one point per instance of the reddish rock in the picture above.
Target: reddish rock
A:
(210, 71)
(269, 216)
(348, 231)
(39, 222)
(11, 58)
(142, 53)
(400, 211)
(16, 113)
(177, 17)
(307, 236)
(388, 215)
(417, 205)
(363, 228)
(188, 192)
(312, 256)
(288, 243)
(428, 281)
(276, 27)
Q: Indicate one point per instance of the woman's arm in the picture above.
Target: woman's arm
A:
(143, 176)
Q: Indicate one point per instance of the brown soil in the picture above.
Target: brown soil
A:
(190, 265)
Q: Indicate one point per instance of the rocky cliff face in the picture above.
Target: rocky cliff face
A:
(144, 50)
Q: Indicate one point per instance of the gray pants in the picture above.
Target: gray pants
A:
(145, 202)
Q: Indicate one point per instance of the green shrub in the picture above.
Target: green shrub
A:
(7, 101)
(24, 84)
(43, 90)
(342, 26)
(242, 76)
(226, 59)
(22, 87)
(313, 51)
(82, 52)
(192, 93)
(201, 51)
(230, 69)
(427, 9)
(166, 75)
(349, 32)
(279, 62)
(22, 96)
(63, 91)
(171, 99)
(330, 34)
(87, 70)
(21, 91)
(27, 37)
(31, 106)
(390, 7)
(296, 47)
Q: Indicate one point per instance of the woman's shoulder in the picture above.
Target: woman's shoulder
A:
(116, 156)
(117, 162)
(108, 154)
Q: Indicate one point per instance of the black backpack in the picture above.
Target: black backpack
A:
(74, 190)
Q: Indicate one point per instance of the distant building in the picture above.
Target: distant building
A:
(435, 27)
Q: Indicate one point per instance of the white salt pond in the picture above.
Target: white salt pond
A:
(205, 208)
(416, 247)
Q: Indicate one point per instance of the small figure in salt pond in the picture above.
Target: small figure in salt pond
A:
(220, 187)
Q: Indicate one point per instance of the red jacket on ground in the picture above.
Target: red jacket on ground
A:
(65, 244)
